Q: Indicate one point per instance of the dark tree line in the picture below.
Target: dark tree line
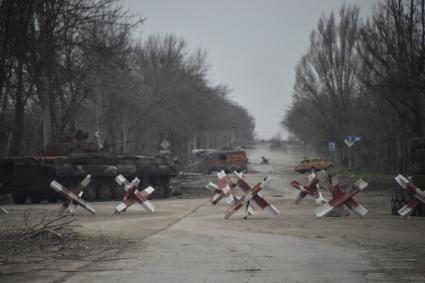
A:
(365, 79)
(73, 64)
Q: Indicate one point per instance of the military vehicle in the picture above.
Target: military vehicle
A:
(227, 160)
(69, 162)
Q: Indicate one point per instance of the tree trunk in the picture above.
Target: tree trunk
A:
(124, 133)
(418, 121)
(19, 112)
(45, 113)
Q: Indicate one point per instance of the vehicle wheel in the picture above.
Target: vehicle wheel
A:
(117, 192)
(36, 197)
(165, 185)
(19, 197)
(53, 197)
(104, 192)
(166, 192)
(89, 193)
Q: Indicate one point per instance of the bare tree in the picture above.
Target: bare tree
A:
(393, 51)
(392, 48)
(326, 87)
(72, 64)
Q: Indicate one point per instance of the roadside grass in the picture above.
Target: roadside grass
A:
(357, 173)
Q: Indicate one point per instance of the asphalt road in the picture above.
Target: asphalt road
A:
(188, 240)
(200, 248)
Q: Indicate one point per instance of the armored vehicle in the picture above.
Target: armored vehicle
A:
(69, 162)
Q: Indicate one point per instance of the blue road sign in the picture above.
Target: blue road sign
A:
(351, 140)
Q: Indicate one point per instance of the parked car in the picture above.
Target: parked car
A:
(313, 164)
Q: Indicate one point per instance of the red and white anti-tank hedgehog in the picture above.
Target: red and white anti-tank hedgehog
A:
(417, 193)
(222, 190)
(343, 198)
(72, 197)
(312, 188)
(250, 193)
(133, 195)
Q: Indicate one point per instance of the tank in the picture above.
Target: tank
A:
(69, 162)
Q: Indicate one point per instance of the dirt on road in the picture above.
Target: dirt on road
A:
(188, 240)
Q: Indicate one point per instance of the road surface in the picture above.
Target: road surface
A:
(188, 240)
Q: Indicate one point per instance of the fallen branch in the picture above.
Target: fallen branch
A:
(57, 226)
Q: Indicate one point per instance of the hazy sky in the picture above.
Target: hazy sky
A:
(253, 46)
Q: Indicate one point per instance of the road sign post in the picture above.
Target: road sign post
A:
(331, 146)
(332, 149)
(165, 144)
(350, 141)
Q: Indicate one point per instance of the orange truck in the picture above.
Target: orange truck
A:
(227, 160)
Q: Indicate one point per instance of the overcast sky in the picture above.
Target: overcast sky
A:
(253, 46)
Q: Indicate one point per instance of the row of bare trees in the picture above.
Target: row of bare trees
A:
(73, 64)
(367, 79)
